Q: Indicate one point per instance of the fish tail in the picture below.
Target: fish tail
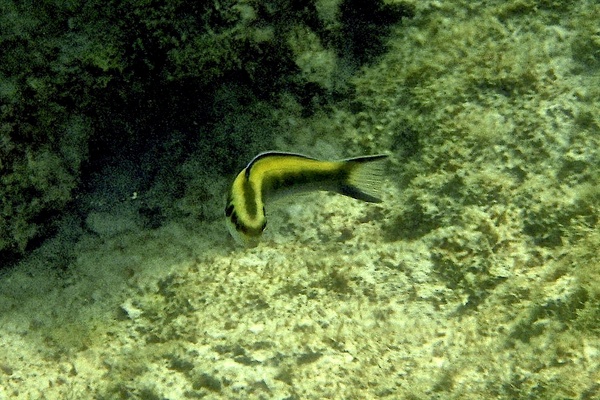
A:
(363, 178)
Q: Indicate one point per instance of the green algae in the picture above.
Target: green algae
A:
(86, 84)
(476, 277)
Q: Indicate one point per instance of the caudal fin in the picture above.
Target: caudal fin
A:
(364, 177)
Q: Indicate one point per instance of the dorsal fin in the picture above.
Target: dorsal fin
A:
(272, 153)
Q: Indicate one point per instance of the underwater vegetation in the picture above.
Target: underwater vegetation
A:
(475, 277)
(161, 91)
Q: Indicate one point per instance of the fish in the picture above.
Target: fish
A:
(274, 174)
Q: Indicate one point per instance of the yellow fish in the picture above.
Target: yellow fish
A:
(272, 174)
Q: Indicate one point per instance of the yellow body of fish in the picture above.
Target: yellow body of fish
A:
(272, 173)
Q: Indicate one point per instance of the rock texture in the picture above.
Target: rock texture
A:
(476, 277)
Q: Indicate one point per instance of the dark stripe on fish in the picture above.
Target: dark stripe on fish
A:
(250, 199)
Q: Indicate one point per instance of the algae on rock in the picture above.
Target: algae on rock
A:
(89, 85)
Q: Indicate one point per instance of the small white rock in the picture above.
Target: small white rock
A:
(132, 311)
